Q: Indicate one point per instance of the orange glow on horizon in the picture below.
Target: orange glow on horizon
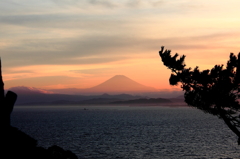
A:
(81, 48)
(146, 70)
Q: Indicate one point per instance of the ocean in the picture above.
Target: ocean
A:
(147, 132)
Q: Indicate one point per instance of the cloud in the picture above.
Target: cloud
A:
(92, 71)
(106, 3)
(76, 51)
(127, 3)
(100, 49)
(40, 20)
(111, 3)
(157, 3)
(134, 3)
(28, 7)
(86, 34)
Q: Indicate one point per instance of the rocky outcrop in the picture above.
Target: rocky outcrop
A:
(17, 144)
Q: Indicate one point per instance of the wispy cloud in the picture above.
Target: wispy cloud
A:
(106, 3)
(90, 35)
(111, 3)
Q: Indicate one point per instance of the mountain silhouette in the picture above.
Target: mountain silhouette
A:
(115, 85)
(120, 83)
(29, 90)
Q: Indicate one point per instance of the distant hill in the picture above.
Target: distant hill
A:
(100, 100)
(144, 101)
(116, 90)
(179, 100)
(28, 96)
(29, 90)
(115, 85)
(33, 96)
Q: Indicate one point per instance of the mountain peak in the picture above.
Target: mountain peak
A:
(118, 84)
(121, 83)
(119, 76)
(29, 90)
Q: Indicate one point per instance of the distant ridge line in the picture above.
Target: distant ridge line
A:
(116, 84)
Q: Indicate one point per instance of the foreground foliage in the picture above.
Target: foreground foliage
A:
(214, 91)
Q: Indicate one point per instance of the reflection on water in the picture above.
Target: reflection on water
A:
(129, 132)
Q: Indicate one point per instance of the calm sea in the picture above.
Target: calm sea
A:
(129, 132)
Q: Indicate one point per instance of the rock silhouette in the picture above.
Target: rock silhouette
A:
(17, 144)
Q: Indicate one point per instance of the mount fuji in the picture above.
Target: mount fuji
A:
(115, 85)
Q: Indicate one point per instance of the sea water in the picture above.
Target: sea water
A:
(128, 132)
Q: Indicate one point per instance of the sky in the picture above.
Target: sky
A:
(54, 44)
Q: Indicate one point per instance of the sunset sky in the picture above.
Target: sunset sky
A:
(81, 43)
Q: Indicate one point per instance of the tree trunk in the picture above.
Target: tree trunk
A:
(230, 125)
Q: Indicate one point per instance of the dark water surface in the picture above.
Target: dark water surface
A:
(129, 132)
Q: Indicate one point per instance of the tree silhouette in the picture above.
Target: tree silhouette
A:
(214, 91)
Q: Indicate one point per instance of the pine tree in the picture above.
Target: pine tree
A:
(214, 91)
